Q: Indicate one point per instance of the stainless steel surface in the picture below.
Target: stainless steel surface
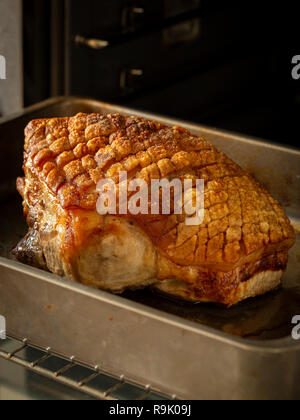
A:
(83, 379)
(192, 351)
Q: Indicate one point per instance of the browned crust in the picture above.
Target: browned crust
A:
(259, 284)
(242, 220)
(216, 285)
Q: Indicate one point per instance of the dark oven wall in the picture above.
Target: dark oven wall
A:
(216, 63)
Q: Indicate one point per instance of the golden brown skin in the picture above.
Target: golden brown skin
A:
(245, 231)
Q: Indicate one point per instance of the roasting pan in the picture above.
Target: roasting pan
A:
(192, 351)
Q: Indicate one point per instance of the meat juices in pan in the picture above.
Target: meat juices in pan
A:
(240, 250)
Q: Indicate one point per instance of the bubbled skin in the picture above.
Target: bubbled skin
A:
(243, 223)
(72, 154)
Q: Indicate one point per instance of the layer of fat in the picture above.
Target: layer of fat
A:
(259, 284)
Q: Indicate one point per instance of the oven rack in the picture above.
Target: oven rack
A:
(84, 385)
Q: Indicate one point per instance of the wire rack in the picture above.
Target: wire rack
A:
(48, 364)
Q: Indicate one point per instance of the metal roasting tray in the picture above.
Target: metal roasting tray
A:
(183, 350)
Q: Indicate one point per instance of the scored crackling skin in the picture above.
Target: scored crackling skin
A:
(243, 223)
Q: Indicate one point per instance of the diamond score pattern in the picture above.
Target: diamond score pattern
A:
(70, 155)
